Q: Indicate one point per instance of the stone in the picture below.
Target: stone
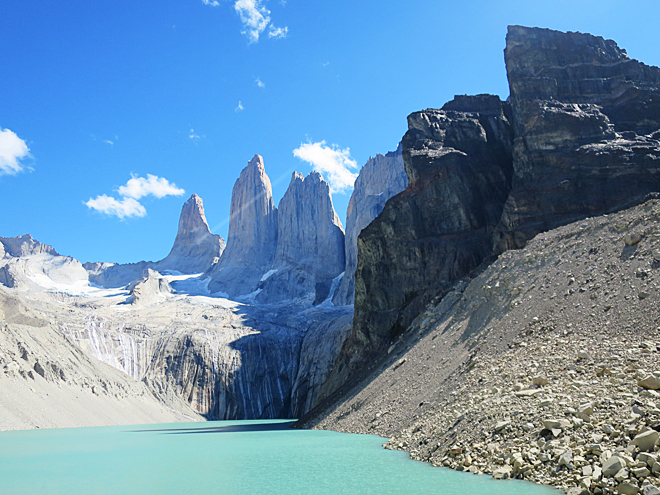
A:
(566, 458)
(500, 425)
(650, 490)
(622, 475)
(540, 381)
(382, 177)
(612, 466)
(649, 459)
(651, 382)
(627, 489)
(502, 473)
(640, 472)
(646, 441)
(631, 239)
(556, 423)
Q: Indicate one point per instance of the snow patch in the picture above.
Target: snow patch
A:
(268, 274)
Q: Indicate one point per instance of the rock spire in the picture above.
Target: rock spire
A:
(252, 238)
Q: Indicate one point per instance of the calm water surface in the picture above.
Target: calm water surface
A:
(224, 457)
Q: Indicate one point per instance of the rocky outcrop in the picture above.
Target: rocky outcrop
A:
(149, 289)
(587, 122)
(252, 238)
(310, 241)
(27, 263)
(458, 162)
(380, 178)
(195, 249)
(24, 245)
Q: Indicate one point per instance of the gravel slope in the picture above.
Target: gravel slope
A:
(563, 327)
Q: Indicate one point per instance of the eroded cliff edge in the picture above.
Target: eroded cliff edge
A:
(578, 138)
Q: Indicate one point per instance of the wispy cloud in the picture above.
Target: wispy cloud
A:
(239, 108)
(274, 32)
(12, 150)
(334, 162)
(107, 141)
(127, 207)
(259, 83)
(193, 136)
(135, 189)
(212, 3)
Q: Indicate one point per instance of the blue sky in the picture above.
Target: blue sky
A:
(96, 94)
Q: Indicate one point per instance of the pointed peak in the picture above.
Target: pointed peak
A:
(257, 161)
(295, 176)
(316, 175)
(192, 216)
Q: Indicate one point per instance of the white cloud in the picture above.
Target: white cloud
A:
(193, 136)
(334, 162)
(276, 33)
(135, 188)
(256, 18)
(108, 142)
(127, 207)
(138, 187)
(260, 83)
(12, 150)
(212, 3)
(239, 108)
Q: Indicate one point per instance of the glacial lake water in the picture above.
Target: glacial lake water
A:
(223, 457)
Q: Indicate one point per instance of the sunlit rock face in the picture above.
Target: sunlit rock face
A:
(195, 250)
(310, 242)
(587, 130)
(381, 177)
(252, 237)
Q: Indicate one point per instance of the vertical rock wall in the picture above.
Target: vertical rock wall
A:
(381, 177)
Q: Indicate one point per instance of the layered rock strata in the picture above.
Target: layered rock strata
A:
(380, 178)
(580, 138)
(310, 241)
(252, 237)
(587, 130)
(458, 161)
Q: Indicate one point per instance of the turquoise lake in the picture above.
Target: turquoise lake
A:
(232, 457)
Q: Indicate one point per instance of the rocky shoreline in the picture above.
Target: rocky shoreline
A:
(543, 367)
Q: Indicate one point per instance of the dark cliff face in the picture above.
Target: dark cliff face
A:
(586, 119)
(580, 137)
(459, 166)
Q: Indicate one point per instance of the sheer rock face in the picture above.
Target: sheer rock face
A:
(382, 177)
(310, 241)
(195, 248)
(458, 161)
(586, 130)
(252, 237)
